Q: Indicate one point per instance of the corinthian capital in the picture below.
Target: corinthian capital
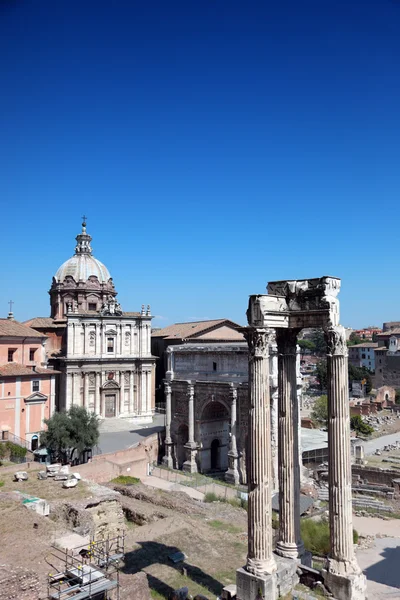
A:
(258, 341)
(286, 340)
(336, 341)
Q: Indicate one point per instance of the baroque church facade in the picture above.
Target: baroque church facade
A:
(103, 354)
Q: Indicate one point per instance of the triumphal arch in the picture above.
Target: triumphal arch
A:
(289, 307)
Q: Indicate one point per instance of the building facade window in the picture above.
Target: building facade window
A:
(11, 352)
(92, 306)
(32, 354)
(35, 385)
(110, 344)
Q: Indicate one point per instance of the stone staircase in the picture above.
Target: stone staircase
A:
(360, 502)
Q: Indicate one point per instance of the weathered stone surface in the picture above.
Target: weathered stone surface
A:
(180, 594)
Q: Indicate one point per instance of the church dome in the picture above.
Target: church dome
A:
(83, 264)
(81, 267)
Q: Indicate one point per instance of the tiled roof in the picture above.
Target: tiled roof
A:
(44, 322)
(15, 369)
(365, 345)
(381, 349)
(11, 328)
(192, 329)
(394, 331)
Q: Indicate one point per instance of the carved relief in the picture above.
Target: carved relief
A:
(92, 379)
(92, 338)
(127, 338)
(126, 377)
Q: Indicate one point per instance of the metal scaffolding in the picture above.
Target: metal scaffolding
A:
(87, 572)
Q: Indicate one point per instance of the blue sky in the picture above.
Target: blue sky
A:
(214, 145)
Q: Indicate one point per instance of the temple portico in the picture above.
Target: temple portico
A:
(289, 307)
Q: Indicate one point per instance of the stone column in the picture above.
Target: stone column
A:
(167, 460)
(232, 474)
(97, 408)
(121, 392)
(190, 463)
(343, 577)
(131, 398)
(68, 391)
(86, 390)
(289, 544)
(260, 560)
(98, 339)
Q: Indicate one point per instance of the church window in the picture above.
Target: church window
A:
(11, 354)
(214, 366)
(35, 385)
(92, 306)
(32, 354)
(110, 344)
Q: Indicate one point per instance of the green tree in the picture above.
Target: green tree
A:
(359, 426)
(354, 339)
(360, 374)
(321, 373)
(319, 413)
(317, 337)
(76, 429)
(306, 345)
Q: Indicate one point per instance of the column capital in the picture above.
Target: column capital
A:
(286, 340)
(258, 340)
(336, 341)
(167, 387)
(190, 390)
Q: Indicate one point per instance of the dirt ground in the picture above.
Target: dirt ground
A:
(212, 537)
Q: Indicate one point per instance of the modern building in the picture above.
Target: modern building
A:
(27, 386)
(363, 355)
(387, 356)
(103, 353)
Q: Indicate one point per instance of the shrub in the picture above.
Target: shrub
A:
(316, 538)
(16, 451)
(126, 480)
(212, 497)
(1, 483)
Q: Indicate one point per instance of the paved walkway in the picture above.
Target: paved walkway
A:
(381, 567)
(119, 434)
(162, 484)
(379, 443)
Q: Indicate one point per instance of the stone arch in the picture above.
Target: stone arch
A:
(214, 430)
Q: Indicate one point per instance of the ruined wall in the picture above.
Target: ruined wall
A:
(133, 462)
(374, 475)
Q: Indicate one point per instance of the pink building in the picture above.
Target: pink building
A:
(27, 387)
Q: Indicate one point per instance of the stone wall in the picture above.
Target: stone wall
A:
(374, 475)
(133, 462)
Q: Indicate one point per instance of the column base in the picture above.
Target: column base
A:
(190, 465)
(167, 461)
(271, 587)
(346, 587)
(292, 551)
(232, 476)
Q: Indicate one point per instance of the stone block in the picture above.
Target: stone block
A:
(268, 587)
(346, 587)
(252, 587)
(229, 592)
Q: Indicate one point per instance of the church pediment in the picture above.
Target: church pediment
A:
(111, 384)
(111, 332)
(35, 397)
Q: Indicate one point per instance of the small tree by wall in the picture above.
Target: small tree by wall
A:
(66, 432)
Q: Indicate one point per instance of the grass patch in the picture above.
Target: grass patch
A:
(157, 595)
(236, 502)
(221, 526)
(125, 480)
(1, 483)
(316, 538)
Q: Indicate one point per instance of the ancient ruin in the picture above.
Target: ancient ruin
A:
(289, 307)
